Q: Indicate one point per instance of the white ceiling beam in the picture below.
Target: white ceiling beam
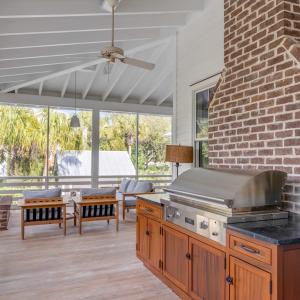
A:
(34, 69)
(10, 81)
(78, 67)
(53, 75)
(28, 63)
(30, 8)
(76, 38)
(27, 26)
(119, 70)
(22, 77)
(64, 51)
(23, 99)
(91, 81)
(158, 82)
(159, 6)
(164, 98)
(65, 86)
(24, 73)
(41, 88)
(155, 57)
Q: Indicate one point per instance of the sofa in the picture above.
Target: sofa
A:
(129, 190)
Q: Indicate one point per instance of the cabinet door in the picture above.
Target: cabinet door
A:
(207, 272)
(175, 261)
(155, 244)
(142, 237)
(248, 282)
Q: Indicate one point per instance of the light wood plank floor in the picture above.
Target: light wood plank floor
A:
(101, 264)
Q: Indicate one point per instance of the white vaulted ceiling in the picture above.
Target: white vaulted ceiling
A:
(42, 44)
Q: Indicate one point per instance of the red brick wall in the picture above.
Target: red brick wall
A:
(254, 118)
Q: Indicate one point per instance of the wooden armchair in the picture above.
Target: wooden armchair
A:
(129, 190)
(97, 207)
(42, 211)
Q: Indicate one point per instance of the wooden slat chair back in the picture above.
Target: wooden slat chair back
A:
(44, 200)
(96, 207)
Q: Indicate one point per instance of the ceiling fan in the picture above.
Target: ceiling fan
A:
(113, 53)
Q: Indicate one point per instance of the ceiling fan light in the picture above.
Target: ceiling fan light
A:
(75, 122)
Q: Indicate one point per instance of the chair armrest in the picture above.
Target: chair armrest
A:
(136, 194)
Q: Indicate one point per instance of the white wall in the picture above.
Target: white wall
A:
(200, 53)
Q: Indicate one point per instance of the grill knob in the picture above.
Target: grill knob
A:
(204, 225)
(177, 214)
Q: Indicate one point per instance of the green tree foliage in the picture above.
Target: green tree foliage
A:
(64, 138)
(118, 133)
(23, 138)
(154, 135)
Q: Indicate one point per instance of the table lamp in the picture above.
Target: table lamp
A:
(179, 154)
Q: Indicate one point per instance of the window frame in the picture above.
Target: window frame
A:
(203, 85)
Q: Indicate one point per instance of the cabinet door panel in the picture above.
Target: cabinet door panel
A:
(207, 272)
(174, 258)
(155, 246)
(143, 246)
(249, 282)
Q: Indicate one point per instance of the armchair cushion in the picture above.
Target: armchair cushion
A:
(131, 186)
(143, 187)
(94, 192)
(124, 185)
(33, 194)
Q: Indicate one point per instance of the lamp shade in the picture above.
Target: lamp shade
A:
(75, 122)
(179, 154)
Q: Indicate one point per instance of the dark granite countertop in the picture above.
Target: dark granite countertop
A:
(279, 232)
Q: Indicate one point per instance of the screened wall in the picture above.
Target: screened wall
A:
(39, 149)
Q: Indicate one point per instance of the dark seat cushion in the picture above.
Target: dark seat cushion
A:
(98, 211)
(42, 214)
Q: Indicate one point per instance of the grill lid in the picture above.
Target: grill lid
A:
(231, 187)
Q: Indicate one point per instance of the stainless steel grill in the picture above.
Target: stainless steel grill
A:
(205, 200)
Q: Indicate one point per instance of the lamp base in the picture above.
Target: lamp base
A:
(177, 168)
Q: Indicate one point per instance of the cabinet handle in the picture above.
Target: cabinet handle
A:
(229, 280)
(147, 232)
(188, 256)
(252, 251)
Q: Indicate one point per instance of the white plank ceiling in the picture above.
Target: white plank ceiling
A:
(43, 43)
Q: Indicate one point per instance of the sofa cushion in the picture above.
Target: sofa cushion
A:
(130, 201)
(124, 185)
(131, 186)
(143, 187)
(94, 192)
(33, 194)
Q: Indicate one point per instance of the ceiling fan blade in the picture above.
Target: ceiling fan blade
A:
(138, 63)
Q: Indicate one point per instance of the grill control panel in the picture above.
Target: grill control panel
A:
(196, 220)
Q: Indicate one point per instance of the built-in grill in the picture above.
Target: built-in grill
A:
(205, 200)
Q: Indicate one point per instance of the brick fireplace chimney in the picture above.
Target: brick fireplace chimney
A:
(254, 117)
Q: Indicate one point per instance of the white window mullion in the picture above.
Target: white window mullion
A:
(95, 148)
